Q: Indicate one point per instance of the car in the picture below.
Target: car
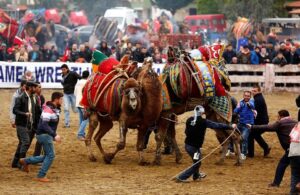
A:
(83, 32)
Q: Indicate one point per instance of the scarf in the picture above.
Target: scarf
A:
(198, 111)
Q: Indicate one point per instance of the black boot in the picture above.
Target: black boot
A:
(15, 163)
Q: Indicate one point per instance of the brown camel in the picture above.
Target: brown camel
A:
(147, 111)
(183, 99)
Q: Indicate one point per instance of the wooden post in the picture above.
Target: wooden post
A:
(269, 77)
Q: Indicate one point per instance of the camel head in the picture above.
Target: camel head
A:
(131, 95)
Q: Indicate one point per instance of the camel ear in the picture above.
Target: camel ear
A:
(125, 59)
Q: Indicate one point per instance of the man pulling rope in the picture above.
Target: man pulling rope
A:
(195, 133)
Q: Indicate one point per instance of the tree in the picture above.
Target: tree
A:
(171, 5)
(256, 10)
(208, 7)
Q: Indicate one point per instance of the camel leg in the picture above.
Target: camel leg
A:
(121, 144)
(93, 123)
(159, 138)
(222, 136)
(236, 142)
(172, 135)
(105, 125)
(140, 144)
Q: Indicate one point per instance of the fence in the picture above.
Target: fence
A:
(271, 77)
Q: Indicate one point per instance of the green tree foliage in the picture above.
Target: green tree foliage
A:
(171, 5)
(208, 7)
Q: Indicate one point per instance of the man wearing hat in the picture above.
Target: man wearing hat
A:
(26, 110)
(195, 133)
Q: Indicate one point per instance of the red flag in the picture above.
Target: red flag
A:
(214, 51)
(8, 27)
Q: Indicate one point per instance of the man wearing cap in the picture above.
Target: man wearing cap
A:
(26, 110)
(69, 80)
(195, 133)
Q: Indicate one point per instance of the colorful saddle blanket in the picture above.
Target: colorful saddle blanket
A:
(222, 106)
(103, 95)
(206, 75)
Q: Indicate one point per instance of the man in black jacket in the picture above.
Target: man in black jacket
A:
(195, 133)
(262, 118)
(26, 110)
(69, 80)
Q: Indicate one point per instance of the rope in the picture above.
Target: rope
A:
(206, 155)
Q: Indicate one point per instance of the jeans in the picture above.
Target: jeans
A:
(47, 159)
(194, 170)
(259, 139)
(282, 165)
(245, 134)
(295, 173)
(69, 101)
(82, 123)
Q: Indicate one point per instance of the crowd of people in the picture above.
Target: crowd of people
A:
(281, 54)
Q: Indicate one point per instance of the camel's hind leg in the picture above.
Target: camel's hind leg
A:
(222, 135)
(105, 125)
(159, 138)
(93, 123)
(172, 135)
(237, 142)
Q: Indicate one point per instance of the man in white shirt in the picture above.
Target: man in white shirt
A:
(78, 94)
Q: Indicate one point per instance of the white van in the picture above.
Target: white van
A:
(123, 15)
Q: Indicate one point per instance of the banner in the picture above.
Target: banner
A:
(47, 73)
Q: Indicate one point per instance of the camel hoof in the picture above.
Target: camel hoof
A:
(220, 162)
(178, 159)
(92, 158)
(156, 162)
(238, 164)
(120, 146)
(144, 163)
(108, 158)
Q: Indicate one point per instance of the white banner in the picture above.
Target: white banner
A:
(48, 73)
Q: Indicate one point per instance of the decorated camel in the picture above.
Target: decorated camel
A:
(134, 103)
(187, 83)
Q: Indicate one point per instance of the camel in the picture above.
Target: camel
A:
(140, 107)
(183, 99)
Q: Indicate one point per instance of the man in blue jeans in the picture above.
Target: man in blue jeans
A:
(69, 80)
(45, 134)
(195, 132)
(78, 93)
(246, 111)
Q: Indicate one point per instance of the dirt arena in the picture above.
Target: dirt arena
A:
(73, 173)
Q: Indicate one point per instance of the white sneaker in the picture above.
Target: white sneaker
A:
(243, 156)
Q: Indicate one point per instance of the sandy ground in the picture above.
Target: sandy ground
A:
(73, 173)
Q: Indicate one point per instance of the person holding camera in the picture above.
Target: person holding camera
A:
(246, 111)
(195, 133)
